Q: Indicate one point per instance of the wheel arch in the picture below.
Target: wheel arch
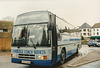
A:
(64, 49)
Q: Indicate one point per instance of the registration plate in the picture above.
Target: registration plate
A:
(26, 62)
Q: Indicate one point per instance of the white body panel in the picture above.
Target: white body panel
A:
(43, 51)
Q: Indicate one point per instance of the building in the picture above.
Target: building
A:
(85, 31)
(6, 29)
(5, 35)
(95, 31)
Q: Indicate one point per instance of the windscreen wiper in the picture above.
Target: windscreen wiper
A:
(33, 43)
(18, 46)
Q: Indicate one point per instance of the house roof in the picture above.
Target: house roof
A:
(96, 25)
(85, 25)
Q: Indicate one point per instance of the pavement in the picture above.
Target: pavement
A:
(88, 55)
(95, 64)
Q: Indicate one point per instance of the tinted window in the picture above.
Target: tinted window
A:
(30, 35)
(32, 17)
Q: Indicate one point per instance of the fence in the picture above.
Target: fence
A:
(5, 43)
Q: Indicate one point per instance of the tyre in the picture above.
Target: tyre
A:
(63, 56)
(97, 46)
(94, 45)
(77, 53)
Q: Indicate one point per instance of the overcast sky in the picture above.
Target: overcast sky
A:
(75, 12)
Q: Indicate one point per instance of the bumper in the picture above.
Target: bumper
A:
(98, 45)
(33, 62)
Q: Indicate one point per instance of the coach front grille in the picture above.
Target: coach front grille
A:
(26, 56)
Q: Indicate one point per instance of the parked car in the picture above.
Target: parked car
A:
(93, 43)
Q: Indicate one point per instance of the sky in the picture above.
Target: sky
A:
(76, 12)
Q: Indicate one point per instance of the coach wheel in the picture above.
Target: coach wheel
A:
(77, 51)
(63, 56)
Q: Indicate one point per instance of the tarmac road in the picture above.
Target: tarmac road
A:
(5, 61)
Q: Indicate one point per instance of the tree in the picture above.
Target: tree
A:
(8, 18)
(82, 38)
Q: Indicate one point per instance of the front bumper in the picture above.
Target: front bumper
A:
(33, 62)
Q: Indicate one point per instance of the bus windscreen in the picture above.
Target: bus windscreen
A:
(32, 17)
(30, 35)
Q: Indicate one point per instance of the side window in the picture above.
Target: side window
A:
(58, 34)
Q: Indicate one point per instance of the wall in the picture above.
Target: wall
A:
(5, 43)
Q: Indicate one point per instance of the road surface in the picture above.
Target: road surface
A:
(5, 61)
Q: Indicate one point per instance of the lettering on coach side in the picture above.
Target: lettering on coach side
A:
(22, 51)
(39, 52)
(28, 51)
(17, 51)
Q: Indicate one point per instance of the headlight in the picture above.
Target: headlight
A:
(14, 56)
(41, 57)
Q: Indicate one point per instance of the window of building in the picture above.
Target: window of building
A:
(93, 33)
(84, 29)
(97, 33)
(88, 34)
(5, 30)
(84, 33)
(97, 29)
(1, 30)
(81, 34)
(94, 29)
(88, 30)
